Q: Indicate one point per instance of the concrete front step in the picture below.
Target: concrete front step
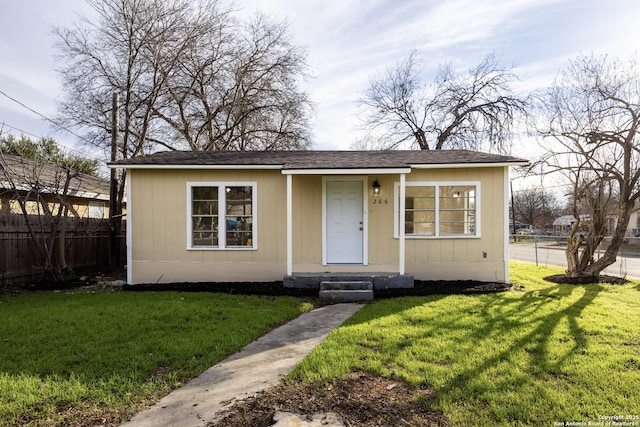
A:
(338, 296)
(353, 285)
(333, 292)
(380, 280)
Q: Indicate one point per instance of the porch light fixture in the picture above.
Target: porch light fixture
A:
(376, 187)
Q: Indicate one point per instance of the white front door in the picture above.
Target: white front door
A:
(344, 222)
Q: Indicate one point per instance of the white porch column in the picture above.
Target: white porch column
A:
(401, 260)
(289, 225)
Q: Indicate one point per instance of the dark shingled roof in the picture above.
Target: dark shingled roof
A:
(288, 160)
(22, 173)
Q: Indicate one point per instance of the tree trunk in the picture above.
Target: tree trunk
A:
(574, 241)
(62, 270)
(617, 239)
(421, 137)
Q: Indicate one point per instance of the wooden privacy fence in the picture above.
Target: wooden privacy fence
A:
(86, 248)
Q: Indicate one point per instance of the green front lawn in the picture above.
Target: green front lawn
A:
(102, 356)
(540, 355)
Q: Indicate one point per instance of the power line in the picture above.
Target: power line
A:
(84, 154)
(66, 148)
(5, 124)
(43, 116)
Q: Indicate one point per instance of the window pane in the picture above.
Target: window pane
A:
(420, 197)
(96, 210)
(239, 216)
(420, 214)
(204, 216)
(421, 228)
(457, 210)
(205, 208)
(204, 193)
(205, 231)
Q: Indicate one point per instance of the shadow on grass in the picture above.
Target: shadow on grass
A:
(515, 329)
(531, 321)
(537, 341)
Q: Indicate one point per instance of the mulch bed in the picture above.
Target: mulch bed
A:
(585, 280)
(276, 288)
(421, 288)
(358, 400)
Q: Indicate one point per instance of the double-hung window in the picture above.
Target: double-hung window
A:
(437, 209)
(221, 215)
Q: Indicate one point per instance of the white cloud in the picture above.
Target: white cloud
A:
(350, 40)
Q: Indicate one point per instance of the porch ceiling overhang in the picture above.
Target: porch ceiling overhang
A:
(359, 171)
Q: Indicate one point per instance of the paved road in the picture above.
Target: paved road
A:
(625, 266)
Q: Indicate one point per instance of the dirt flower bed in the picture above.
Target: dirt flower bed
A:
(358, 400)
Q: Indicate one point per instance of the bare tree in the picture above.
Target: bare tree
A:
(454, 111)
(535, 206)
(109, 55)
(41, 191)
(189, 74)
(589, 121)
(238, 91)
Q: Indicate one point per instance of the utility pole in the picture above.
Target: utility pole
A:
(114, 212)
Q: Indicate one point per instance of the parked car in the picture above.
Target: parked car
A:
(525, 232)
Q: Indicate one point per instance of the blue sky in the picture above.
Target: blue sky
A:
(348, 41)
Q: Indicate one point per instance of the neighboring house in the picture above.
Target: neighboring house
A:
(633, 228)
(87, 196)
(259, 216)
(562, 225)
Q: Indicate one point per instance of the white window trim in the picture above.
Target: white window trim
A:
(437, 184)
(222, 223)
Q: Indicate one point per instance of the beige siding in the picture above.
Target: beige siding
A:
(383, 247)
(159, 229)
(78, 207)
(307, 220)
(462, 258)
(159, 226)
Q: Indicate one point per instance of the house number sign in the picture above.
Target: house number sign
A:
(380, 201)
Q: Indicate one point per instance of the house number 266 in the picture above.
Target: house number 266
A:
(380, 201)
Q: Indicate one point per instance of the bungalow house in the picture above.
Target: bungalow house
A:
(562, 224)
(260, 216)
(87, 196)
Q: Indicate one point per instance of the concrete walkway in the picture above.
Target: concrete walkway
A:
(259, 365)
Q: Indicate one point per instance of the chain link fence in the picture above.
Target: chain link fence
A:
(550, 250)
